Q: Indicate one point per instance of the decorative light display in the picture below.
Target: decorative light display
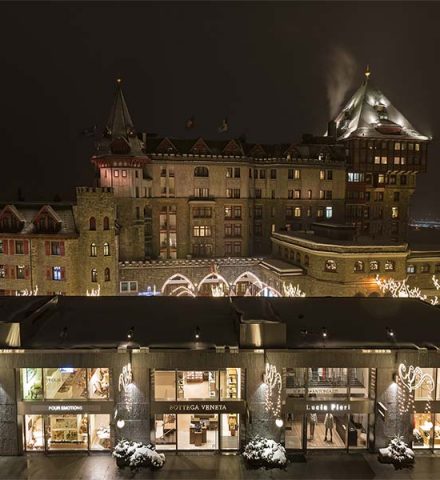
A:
(291, 291)
(125, 378)
(27, 293)
(272, 400)
(400, 289)
(408, 381)
(94, 292)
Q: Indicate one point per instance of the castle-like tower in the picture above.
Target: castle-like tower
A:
(384, 154)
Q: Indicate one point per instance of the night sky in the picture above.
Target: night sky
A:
(265, 66)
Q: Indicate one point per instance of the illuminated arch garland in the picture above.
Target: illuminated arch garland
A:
(409, 380)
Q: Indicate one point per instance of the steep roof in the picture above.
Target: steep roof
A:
(119, 134)
(369, 113)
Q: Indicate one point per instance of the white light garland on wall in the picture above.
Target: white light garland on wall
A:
(27, 293)
(291, 291)
(272, 380)
(125, 378)
(408, 381)
(94, 292)
(400, 289)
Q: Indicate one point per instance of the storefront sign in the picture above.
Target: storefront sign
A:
(327, 407)
(48, 408)
(325, 390)
(65, 408)
(199, 407)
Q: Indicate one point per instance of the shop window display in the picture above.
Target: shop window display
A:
(358, 430)
(327, 383)
(423, 430)
(197, 432)
(295, 382)
(230, 384)
(99, 431)
(31, 383)
(424, 392)
(98, 380)
(229, 433)
(197, 385)
(65, 383)
(164, 385)
(166, 431)
(359, 382)
(67, 432)
(34, 432)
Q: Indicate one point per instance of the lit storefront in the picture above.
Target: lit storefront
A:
(328, 408)
(197, 410)
(65, 408)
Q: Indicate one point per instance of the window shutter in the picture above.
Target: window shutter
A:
(63, 273)
(49, 273)
(12, 271)
(6, 271)
(62, 250)
(5, 247)
(26, 272)
(47, 247)
(26, 247)
(11, 247)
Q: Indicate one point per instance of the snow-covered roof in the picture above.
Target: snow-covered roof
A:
(369, 113)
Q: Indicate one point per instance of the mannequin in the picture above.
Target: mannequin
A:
(329, 423)
(313, 420)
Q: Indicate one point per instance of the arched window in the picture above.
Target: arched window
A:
(374, 266)
(94, 275)
(389, 266)
(106, 223)
(201, 172)
(92, 223)
(107, 275)
(359, 266)
(93, 250)
(106, 249)
(330, 266)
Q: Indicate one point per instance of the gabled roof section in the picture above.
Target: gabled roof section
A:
(369, 113)
(200, 147)
(166, 146)
(13, 210)
(49, 211)
(232, 148)
(257, 151)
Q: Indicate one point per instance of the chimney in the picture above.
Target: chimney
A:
(331, 130)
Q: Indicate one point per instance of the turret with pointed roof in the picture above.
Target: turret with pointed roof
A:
(369, 113)
(119, 136)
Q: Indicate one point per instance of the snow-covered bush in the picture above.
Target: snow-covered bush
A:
(136, 455)
(263, 452)
(398, 453)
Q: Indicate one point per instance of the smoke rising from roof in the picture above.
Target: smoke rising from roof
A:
(340, 76)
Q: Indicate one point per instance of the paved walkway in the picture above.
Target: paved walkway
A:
(213, 467)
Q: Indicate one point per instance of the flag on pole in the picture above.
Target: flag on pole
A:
(224, 126)
(189, 123)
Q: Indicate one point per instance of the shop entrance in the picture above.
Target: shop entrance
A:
(197, 431)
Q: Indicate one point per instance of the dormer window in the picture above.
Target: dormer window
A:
(47, 221)
(10, 221)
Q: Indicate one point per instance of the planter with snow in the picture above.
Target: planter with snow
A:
(397, 453)
(263, 452)
(137, 455)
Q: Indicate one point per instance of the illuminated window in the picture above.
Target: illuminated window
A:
(394, 212)
(124, 173)
(297, 194)
(93, 250)
(309, 194)
(116, 173)
(397, 146)
(328, 212)
(202, 231)
(322, 174)
(330, 266)
(127, 286)
(411, 268)
(374, 266)
(359, 266)
(296, 174)
(106, 249)
(94, 275)
(297, 211)
(425, 268)
(389, 266)
(57, 273)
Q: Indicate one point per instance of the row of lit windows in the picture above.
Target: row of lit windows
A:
(379, 178)
(94, 275)
(94, 250)
(359, 266)
(235, 172)
(423, 268)
(390, 145)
